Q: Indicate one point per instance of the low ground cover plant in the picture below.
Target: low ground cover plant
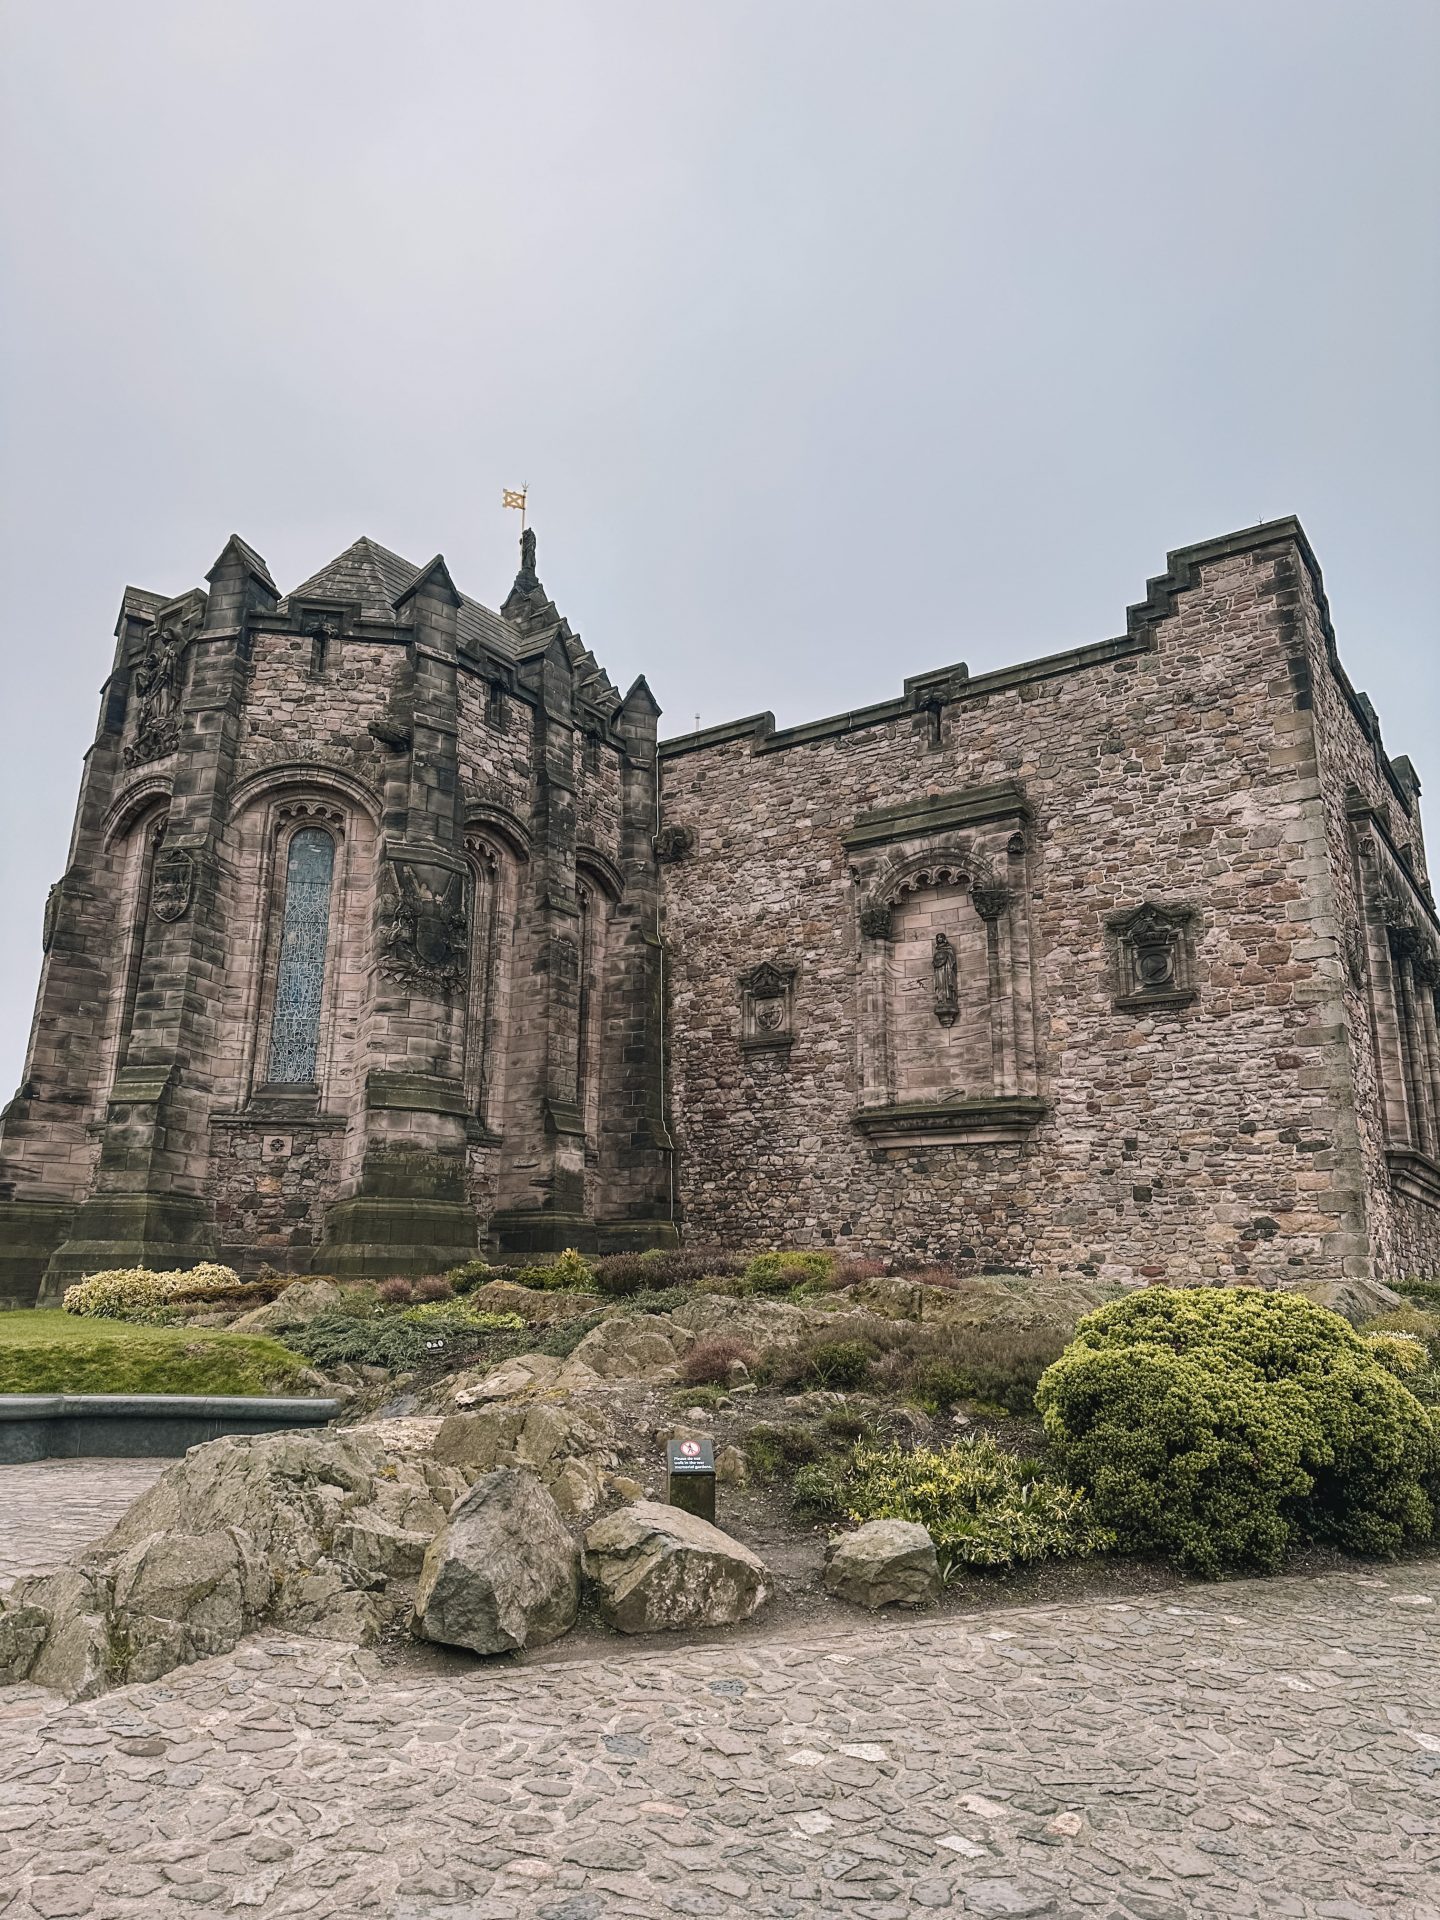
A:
(435, 1333)
(1222, 1426)
(49, 1351)
(982, 1506)
(776, 1273)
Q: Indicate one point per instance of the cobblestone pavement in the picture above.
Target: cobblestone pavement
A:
(1263, 1748)
(50, 1508)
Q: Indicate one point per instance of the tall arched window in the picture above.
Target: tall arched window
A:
(300, 975)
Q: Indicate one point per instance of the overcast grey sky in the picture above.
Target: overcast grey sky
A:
(837, 339)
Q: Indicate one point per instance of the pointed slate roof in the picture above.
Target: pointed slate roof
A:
(377, 578)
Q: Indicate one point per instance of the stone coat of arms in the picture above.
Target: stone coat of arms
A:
(425, 926)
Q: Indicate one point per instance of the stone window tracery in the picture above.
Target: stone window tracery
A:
(300, 971)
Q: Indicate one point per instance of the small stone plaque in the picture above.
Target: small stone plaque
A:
(691, 1465)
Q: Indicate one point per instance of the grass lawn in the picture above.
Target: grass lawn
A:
(55, 1352)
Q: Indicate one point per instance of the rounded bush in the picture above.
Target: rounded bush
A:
(1220, 1426)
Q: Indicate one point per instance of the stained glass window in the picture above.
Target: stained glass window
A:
(300, 979)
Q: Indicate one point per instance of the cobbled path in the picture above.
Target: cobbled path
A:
(1263, 1748)
(51, 1508)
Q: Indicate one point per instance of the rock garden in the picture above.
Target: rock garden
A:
(497, 1479)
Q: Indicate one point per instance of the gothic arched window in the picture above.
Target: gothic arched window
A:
(300, 973)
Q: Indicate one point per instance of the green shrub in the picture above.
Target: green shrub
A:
(1425, 1291)
(561, 1339)
(474, 1273)
(55, 1352)
(819, 1490)
(707, 1398)
(137, 1294)
(841, 1424)
(769, 1448)
(1221, 1425)
(835, 1365)
(568, 1272)
(781, 1272)
(983, 1507)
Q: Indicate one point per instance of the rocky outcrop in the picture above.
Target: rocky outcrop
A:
(885, 1563)
(656, 1567)
(992, 1301)
(502, 1573)
(535, 1306)
(292, 1308)
(636, 1346)
(305, 1531)
(566, 1442)
(526, 1375)
(1355, 1299)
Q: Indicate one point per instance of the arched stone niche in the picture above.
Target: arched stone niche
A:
(945, 1026)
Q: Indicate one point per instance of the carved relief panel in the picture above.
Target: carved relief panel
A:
(767, 1006)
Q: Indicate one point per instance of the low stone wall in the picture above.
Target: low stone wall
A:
(52, 1426)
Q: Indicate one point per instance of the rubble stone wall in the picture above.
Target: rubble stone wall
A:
(1211, 1137)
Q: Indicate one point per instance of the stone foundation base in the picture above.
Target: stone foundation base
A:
(523, 1232)
(374, 1236)
(164, 1232)
(30, 1231)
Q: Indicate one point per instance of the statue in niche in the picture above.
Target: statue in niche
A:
(944, 964)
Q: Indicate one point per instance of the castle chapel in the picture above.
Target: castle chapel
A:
(390, 932)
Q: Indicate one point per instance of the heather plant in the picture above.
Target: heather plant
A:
(982, 1506)
(1221, 1426)
(708, 1363)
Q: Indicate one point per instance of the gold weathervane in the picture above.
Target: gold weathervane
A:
(515, 497)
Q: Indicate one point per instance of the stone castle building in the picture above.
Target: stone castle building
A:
(389, 931)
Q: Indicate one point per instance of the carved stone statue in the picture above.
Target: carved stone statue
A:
(944, 964)
(527, 550)
(158, 679)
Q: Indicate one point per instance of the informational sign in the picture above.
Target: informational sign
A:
(692, 1476)
(691, 1456)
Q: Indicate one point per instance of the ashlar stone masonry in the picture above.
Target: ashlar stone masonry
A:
(391, 932)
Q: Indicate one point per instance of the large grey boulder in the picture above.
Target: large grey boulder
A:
(655, 1566)
(502, 1573)
(885, 1563)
